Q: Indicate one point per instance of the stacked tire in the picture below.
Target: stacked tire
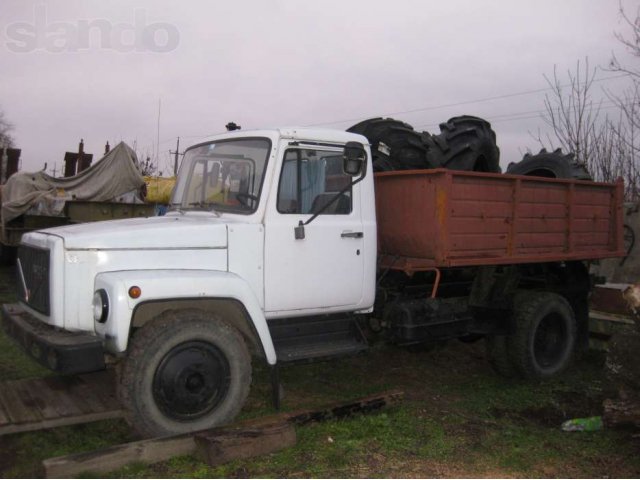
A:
(550, 165)
(464, 143)
(395, 145)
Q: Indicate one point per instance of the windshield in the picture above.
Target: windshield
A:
(225, 176)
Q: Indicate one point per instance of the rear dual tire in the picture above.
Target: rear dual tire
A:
(543, 338)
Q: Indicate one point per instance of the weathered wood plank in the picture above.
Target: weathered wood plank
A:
(159, 449)
(99, 389)
(85, 398)
(56, 394)
(224, 445)
(623, 412)
(28, 397)
(35, 404)
(111, 458)
(47, 410)
(14, 406)
(59, 422)
(362, 406)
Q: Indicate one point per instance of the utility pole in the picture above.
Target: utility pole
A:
(177, 153)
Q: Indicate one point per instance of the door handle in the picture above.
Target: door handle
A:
(352, 235)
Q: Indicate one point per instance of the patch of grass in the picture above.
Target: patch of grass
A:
(31, 448)
(16, 364)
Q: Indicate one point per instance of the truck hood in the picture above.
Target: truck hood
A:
(175, 232)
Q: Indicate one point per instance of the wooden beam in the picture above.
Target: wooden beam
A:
(36, 404)
(159, 449)
(224, 445)
(59, 422)
(623, 412)
(117, 456)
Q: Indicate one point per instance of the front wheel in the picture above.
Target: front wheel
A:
(186, 370)
(545, 334)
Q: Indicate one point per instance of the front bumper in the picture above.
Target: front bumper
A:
(59, 350)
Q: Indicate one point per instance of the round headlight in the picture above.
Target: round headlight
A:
(100, 306)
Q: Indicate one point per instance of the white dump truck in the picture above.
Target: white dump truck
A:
(277, 248)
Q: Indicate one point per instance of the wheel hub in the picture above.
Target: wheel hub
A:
(191, 380)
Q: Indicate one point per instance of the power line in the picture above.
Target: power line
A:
(526, 115)
(467, 102)
(495, 119)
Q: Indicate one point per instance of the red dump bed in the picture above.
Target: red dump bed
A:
(446, 218)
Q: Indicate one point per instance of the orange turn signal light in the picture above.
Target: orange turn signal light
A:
(135, 292)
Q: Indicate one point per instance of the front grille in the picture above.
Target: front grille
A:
(33, 278)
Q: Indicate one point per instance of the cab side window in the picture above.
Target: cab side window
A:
(311, 179)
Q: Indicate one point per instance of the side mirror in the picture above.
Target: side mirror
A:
(354, 159)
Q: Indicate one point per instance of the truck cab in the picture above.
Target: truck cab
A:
(267, 237)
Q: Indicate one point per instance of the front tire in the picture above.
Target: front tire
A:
(545, 334)
(186, 370)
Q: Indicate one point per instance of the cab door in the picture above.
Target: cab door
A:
(325, 269)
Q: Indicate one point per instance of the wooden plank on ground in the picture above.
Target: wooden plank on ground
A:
(28, 405)
(84, 399)
(47, 410)
(220, 446)
(59, 422)
(17, 411)
(622, 412)
(55, 394)
(28, 398)
(611, 317)
(159, 449)
(111, 458)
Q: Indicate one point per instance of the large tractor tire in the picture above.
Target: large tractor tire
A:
(550, 165)
(465, 143)
(395, 145)
(186, 370)
(544, 336)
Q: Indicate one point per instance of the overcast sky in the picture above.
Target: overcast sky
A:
(97, 70)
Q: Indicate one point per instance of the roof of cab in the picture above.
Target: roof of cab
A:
(293, 133)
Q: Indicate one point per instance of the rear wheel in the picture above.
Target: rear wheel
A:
(545, 334)
(186, 370)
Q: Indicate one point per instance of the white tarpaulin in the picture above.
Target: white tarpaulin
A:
(114, 175)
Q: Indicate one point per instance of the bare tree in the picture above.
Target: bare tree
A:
(147, 167)
(572, 114)
(629, 100)
(577, 122)
(6, 140)
(605, 145)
